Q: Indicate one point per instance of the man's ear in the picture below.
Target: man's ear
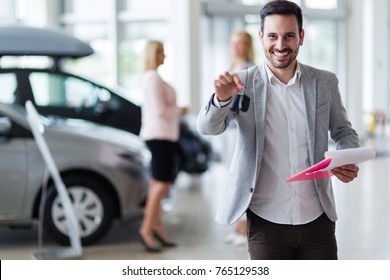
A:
(301, 37)
(261, 34)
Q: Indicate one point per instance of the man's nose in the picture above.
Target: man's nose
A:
(280, 44)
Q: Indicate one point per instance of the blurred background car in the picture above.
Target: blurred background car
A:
(51, 89)
(106, 171)
(55, 92)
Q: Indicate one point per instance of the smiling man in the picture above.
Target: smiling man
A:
(281, 37)
(283, 130)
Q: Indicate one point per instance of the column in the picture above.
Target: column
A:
(185, 26)
(354, 69)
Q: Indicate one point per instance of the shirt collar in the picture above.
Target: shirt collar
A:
(295, 78)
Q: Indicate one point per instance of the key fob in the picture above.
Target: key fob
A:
(243, 104)
(234, 105)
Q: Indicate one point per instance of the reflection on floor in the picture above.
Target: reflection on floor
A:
(363, 229)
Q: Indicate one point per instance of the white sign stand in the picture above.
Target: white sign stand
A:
(75, 249)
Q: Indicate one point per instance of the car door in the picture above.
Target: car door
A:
(13, 174)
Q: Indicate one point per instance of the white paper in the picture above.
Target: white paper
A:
(349, 156)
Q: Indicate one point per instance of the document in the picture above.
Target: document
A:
(334, 159)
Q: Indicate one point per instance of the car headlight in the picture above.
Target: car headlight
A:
(142, 157)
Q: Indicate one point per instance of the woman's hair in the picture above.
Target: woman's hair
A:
(150, 54)
(250, 55)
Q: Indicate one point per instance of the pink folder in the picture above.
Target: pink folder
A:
(334, 159)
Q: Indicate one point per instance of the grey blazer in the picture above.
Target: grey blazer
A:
(325, 113)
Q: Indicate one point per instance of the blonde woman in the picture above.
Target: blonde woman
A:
(160, 130)
(243, 55)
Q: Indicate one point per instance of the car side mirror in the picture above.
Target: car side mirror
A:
(5, 125)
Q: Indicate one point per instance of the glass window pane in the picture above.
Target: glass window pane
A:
(321, 44)
(253, 2)
(88, 31)
(321, 4)
(57, 90)
(42, 84)
(146, 5)
(8, 88)
(260, 2)
(130, 61)
(131, 51)
(95, 65)
(97, 8)
(146, 30)
(319, 48)
(7, 11)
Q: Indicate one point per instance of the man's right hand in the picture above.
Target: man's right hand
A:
(227, 85)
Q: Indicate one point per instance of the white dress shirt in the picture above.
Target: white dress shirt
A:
(285, 154)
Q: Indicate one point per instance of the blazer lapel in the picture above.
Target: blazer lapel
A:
(308, 84)
(260, 94)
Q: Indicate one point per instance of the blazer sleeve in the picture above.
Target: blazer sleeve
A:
(340, 127)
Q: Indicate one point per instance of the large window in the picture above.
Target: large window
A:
(8, 12)
(117, 31)
(323, 21)
(137, 24)
(321, 44)
(131, 46)
(89, 21)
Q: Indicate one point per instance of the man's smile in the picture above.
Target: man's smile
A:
(281, 54)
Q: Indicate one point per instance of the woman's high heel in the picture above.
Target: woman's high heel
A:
(151, 249)
(164, 242)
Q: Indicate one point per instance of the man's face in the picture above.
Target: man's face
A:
(281, 40)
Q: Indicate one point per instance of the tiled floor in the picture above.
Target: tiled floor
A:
(363, 229)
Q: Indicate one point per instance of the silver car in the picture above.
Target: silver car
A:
(106, 171)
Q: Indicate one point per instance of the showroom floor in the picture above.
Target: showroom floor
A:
(363, 229)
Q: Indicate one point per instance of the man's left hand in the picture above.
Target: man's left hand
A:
(346, 173)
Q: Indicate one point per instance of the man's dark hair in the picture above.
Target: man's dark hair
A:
(281, 7)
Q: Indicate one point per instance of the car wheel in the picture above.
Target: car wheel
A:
(93, 208)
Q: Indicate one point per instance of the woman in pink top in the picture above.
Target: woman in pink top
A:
(160, 130)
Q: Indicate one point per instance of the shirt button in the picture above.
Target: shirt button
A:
(251, 190)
